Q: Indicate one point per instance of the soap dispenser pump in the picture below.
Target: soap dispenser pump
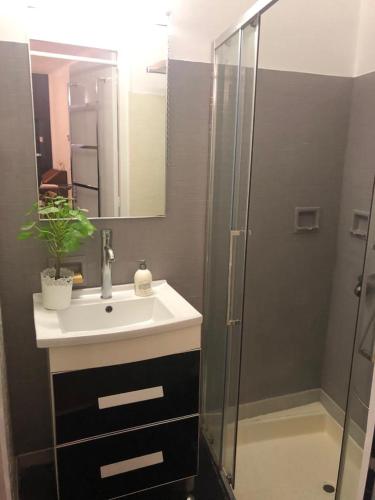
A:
(143, 280)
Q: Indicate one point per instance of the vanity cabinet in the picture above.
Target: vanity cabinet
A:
(124, 420)
(120, 397)
(119, 464)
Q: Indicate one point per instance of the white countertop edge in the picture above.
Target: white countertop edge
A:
(47, 342)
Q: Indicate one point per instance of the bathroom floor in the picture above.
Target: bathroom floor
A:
(300, 450)
(38, 483)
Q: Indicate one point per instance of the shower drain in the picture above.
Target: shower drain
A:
(328, 488)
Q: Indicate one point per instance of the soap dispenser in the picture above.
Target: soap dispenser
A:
(143, 280)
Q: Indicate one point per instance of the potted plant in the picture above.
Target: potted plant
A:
(63, 229)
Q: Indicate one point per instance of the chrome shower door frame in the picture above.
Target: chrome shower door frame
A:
(237, 242)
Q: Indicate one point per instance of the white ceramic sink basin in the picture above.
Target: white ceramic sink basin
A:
(91, 319)
(91, 316)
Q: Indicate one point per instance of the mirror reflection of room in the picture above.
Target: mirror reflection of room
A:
(100, 124)
(75, 112)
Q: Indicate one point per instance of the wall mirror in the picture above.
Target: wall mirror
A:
(100, 125)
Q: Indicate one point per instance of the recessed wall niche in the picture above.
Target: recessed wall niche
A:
(306, 219)
(359, 224)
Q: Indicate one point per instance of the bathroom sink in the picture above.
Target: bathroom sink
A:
(91, 319)
(83, 317)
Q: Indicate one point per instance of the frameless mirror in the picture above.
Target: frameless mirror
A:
(100, 125)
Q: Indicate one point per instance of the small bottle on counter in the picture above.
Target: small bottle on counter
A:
(143, 280)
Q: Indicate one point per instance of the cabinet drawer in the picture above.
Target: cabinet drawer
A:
(120, 464)
(113, 398)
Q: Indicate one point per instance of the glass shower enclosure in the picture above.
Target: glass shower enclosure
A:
(234, 81)
(288, 344)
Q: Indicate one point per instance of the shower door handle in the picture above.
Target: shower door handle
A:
(235, 233)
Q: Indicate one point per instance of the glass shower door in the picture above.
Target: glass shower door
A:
(358, 429)
(222, 181)
(235, 63)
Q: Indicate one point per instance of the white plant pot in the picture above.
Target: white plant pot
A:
(56, 294)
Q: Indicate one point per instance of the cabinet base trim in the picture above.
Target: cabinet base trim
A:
(155, 487)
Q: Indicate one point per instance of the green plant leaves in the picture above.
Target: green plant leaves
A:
(28, 226)
(62, 228)
(24, 235)
(59, 200)
(48, 210)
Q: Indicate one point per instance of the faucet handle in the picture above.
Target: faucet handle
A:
(110, 254)
(106, 237)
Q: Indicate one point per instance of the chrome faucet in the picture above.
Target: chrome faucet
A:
(108, 257)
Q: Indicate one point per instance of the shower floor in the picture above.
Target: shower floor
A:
(291, 454)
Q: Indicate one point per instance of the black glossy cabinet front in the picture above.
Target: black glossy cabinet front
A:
(77, 413)
(79, 465)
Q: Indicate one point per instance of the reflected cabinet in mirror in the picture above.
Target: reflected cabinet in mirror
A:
(100, 125)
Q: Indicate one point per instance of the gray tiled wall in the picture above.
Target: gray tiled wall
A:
(358, 178)
(19, 263)
(173, 246)
(301, 126)
(313, 146)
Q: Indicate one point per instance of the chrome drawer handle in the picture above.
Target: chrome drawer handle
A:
(127, 398)
(131, 464)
